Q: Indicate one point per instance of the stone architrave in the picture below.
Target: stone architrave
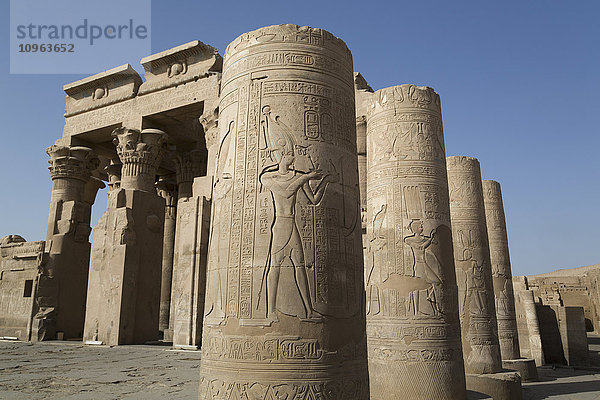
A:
(284, 315)
(412, 316)
(479, 329)
(63, 291)
(167, 191)
(501, 272)
(125, 274)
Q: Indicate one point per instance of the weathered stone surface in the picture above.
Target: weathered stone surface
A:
(362, 94)
(574, 287)
(479, 329)
(284, 312)
(501, 271)
(524, 366)
(563, 335)
(530, 341)
(167, 191)
(189, 274)
(21, 266)
(67, 239)
(412, 315)
(124, 296)
(499, 386)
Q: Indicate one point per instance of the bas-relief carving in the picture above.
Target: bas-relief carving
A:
(412, 321)
(473, 267)
(285, 249)
(501, 270)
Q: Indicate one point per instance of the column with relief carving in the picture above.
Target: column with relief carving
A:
(125, 274)
(284, 311)
(501, 272)
(191, 242)
(412, 318)
(473, 267)
(67, 242)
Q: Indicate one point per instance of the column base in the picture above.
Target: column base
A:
(524, 366)
(168, 335)
(499, 386)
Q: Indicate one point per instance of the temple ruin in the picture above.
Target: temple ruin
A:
(302, 230)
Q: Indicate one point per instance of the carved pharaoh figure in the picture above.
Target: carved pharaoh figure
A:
(473, 267)
(284, 310)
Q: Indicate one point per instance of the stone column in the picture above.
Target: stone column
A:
(362, 93)
(530, 339)
(124, 289)
(501, 272)
(189, 264)
(412, 316)
(284, 311)
(67, 242)
(167, 191)
(473, 268)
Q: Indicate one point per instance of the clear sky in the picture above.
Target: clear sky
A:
(519, 82)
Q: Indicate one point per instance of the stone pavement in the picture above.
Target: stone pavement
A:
(69, 370)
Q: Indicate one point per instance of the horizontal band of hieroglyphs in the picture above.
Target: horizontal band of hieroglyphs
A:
(266, 59)
(284, 349)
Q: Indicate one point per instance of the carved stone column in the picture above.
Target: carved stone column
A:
(412, 317)
(501, 272)
(473, 268)
(189, 264)
(284, 311)
(65, 286)
(530, 340)
(167, 191)
(125, 273)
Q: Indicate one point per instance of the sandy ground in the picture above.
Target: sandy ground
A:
(70, 370)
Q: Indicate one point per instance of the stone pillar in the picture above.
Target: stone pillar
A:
(412, 316)
(284, 311)
(189, 264)
(124, 289)
(362, 93)
(167, 191)
(530, 340)
(67, 242)
(473, 268)
(501, 272)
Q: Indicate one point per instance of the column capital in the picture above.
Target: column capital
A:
(141, 153)
(188, 165)
(75, 162)
(210, 123)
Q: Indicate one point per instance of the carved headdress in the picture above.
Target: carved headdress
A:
(279, 140)
(278, 137)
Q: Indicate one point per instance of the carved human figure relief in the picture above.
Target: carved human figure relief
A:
(284, 182)
(215, 307)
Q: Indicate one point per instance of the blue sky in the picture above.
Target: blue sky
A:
(519, 82)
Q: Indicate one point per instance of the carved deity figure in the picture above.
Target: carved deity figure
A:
(217, 277)
(477, 288)
(374, 278)
(426, 266)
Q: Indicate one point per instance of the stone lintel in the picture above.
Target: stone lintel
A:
(108, 87)
(179, 65)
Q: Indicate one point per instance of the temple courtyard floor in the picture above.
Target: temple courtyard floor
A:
(71, 370)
